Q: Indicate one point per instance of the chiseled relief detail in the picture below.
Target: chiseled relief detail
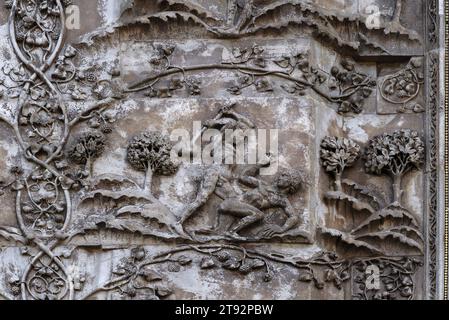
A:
(120, 179)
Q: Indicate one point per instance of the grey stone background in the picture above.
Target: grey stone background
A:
(107, 37)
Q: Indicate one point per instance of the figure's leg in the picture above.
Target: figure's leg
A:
(207, 188)
(247, 221)
(248, 213)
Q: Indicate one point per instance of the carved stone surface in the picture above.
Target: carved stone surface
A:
(103, 198)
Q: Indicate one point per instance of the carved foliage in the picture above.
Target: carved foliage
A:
(385, 279)
(384, 220)
(403, 87)
(395, 154)
(337, 154)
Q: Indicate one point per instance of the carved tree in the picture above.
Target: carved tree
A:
(150, 152)
(337, 154)
(395, 154)
(89, 146)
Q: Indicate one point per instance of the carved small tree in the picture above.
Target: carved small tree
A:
(337, 154)
(87, 147)
(150, 152)
(395, 154)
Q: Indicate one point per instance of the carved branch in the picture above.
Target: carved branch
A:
(102, 105)
(7, 121)
(141, 85)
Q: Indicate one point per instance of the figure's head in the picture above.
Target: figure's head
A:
(289, 181)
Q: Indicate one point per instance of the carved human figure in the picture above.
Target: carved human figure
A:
(249, 207)
(226, 119)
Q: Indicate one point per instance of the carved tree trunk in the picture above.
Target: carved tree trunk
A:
(397, 11)
(337, 182)
(148, 181)
(397, 191)
(89, 167)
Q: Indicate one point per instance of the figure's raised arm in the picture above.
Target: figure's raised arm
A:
(248, 176)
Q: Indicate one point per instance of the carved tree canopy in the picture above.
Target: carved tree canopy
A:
(151, 150)
(338, 153)
(88, 146)
(395, 153)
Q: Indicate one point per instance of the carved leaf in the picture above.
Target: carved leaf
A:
(304, 7)
(392, 211)
(125, 225)
(163, 291)
(373, 44)
(395, 236)
(356, 203)
(328, 15)
(150, 211)
(112, 178)
(409, 231)
(167, 15)
(207, 263)
(192, 7)
(283, 63)
(397, 28)
(151, 275)
(305, 277)
(374, 196)
(116, 195)
(349, 239)
(321, 29)
(125, 5)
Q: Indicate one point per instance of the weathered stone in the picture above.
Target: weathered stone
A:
(96, 186)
